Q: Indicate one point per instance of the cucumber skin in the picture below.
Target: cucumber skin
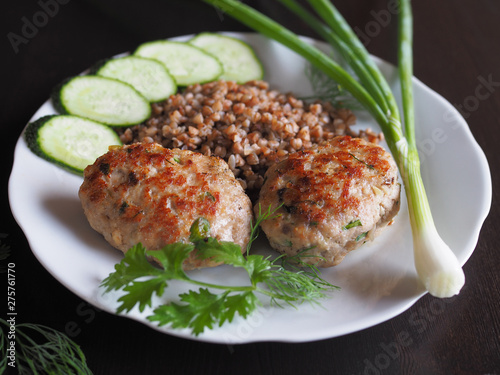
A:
(98, 65)
(135, 53)
(55, 98)
(94, 70)
(32, 141)
(250, 48)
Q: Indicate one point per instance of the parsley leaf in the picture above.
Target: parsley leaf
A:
(258, 268)
(171, 258)
(226, 252)
(136, 265)
(230, 253)
(205, 309)
(141, 292)
(133, 265)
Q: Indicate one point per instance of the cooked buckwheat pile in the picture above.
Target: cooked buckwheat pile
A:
(250, 126)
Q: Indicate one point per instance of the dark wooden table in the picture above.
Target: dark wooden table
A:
(457, 47)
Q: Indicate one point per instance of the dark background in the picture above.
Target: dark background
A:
(456, 43)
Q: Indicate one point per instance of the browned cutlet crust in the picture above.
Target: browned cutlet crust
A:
(144, 193)
(332, 199)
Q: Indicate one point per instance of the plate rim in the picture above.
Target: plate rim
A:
(486, 206)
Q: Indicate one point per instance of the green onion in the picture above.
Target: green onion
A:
(274, 30)
(356, 64)
(361, 236)
(437, 266)
(352, 224)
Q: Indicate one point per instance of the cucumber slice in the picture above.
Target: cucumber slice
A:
(102, 99)
(149, 77)
(187, 63)
(238, 59)
(69, 141)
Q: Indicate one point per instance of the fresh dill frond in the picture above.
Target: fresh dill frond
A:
(204, 309)
(306, 275)
(326, 89)
(3, 351)
(261, 216)
(43, 350)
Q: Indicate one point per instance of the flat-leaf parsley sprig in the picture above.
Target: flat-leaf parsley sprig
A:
(205, 308)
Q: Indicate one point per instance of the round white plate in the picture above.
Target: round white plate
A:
(378, 281)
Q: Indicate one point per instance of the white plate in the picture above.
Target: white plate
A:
(378, 280)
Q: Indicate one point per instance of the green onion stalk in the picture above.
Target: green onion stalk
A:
(436, 264)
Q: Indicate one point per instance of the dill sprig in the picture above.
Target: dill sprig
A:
(205, 309)
(42, 350)
(325, 89)
(308, 276)
(261, 216)
(3, 352)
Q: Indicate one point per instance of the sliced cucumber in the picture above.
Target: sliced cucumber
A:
(187, 63)
(149, 77)
(70, 141)
(238, 59)
(102, 99)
